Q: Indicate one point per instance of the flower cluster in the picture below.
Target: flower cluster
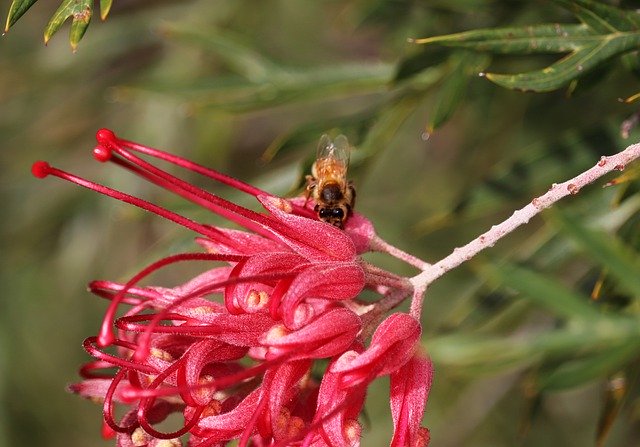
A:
(270, 345)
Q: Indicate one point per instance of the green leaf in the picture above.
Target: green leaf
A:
(413, 64)
(105, 7)
(464, 67)
(606, 32)
(609, 251)
(547, 38)
(580, 371)
(16, 10)
(235, 94)
(80, 11)
(478, 353)
(235, 53)
(601, 17)
(542, 290)
(569, 67)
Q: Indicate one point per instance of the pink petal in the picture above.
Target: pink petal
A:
(240, 330)
(281, 385)
(228, 241)
(409, 391)
(338, 408)
(96, 389)
(346, 282)
(313, 239)
(200, 355)
(361, 231)
(239, 295)
(330, 334)
(392, 345)
(231, 424)
(166, 296)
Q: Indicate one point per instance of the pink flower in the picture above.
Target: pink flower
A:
(240, 367)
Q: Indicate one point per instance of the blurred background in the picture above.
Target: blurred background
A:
(441, 154)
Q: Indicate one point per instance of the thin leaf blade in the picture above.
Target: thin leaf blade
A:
(464, 67)
(610, 252)
(569, 68)
(79, 26)
(105, 8)
(546, 38)
(79, 10)
(578, 372)
(16, 10)
(542, 290)
(235, 53)
(601, 17)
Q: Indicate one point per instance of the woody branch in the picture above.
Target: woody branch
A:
(520, 217)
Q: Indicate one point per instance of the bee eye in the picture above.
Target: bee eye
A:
(324, 212)
(337, 212)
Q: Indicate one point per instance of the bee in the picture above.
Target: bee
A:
(334, 195)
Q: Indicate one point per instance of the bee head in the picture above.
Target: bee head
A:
(334, 216)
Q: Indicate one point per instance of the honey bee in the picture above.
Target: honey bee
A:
(334, 195)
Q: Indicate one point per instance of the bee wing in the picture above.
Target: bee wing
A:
(338, 149)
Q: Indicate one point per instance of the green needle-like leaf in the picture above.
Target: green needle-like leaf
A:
(295, 85)
(105, 7)
(570, 67)
(609, 251)
(547, 38)
(605, 32)
(80, 11)
(238, 56)
(577, 372)
(464, 67)
(16, 10)
(601, 17)
(542, 290)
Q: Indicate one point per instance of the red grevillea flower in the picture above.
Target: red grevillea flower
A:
(270, 344)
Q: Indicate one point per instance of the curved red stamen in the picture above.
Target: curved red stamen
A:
(133, 393)
(251, 425)
(107, 432)
(109, 289)
(234, 274)
(144, 423)
(145, 339)
(116, 361)
(106, 336)
(146, 405)
(276, 297)
(107, 408)
(87, 370)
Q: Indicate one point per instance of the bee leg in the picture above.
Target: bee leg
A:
(352, 190)
(311, 184)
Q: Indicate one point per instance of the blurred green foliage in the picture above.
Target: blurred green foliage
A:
(537, 343)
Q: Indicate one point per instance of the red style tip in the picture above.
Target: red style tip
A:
(105, 137)
(105, 337)
(40, 169)
(106, 141)
(102, 153)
